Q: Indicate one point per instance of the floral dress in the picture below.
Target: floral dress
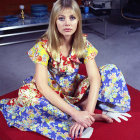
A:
(31, 111)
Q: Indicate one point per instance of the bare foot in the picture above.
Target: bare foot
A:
(103, 117)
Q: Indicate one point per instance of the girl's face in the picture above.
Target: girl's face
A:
(66, 22)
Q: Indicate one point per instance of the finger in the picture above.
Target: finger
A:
(124, 118)
(92, 119)
(81, 131)
(92, 114)
(87, 123)
(126, 114)
(84, 124)
(77, 131)
(117, 119)
(73, 130)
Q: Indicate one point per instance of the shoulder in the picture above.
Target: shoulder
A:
(42, 43)
(88, 45)
(86, 41)
(38, 53)
(40, 47)
(90, 50)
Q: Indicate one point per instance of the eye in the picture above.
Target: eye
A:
(72, 17)
(61, 18)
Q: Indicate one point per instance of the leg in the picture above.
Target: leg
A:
(113, 94)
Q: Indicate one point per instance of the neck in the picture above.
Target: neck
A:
(66, 46)
(67, 40)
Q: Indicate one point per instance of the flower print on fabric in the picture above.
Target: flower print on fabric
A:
(31, 111)
(91, 52)
(113, 92)
(38, 54)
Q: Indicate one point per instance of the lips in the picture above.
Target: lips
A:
(67, 29)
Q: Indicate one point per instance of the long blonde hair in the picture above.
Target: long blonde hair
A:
(55, 38)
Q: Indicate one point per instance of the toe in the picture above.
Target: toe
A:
(107, 119)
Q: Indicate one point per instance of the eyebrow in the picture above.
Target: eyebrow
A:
(64, 15)
(60, 15)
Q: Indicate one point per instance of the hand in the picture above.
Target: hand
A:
(116, 115)
(84, 118)
(76, 130)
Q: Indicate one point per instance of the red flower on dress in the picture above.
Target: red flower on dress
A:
(45, 41)
(82, 90)
(53, 82)
(25, 87)
(72, 65)
(11, 102)
(68, 62)
(64, 58)
(73, 56)
(39, 58)
(61, 95)
(38, 95)
(57, 92)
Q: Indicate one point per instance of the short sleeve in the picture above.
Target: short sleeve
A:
(90, 52)
(38, 54)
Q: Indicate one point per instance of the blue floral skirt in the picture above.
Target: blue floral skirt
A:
(31, 111)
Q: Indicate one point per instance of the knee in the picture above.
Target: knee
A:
(108, 68)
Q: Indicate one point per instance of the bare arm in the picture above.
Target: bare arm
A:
(95, 81)
(41, 78)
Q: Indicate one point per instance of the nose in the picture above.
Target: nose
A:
(67, 22)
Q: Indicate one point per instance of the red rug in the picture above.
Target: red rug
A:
(102, 131)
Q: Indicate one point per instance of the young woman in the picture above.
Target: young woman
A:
(50, 103)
